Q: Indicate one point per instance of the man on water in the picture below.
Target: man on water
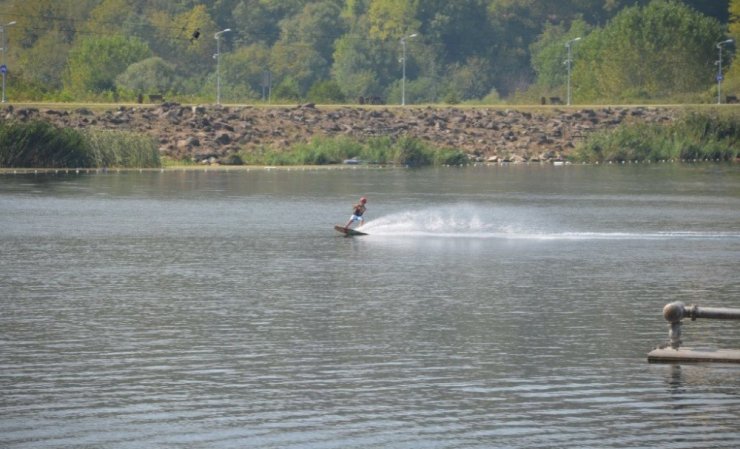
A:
(359, 209)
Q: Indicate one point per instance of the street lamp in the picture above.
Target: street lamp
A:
(4, 67)
(403, 78)
(569, 62)
(719, 66)
(218, 63)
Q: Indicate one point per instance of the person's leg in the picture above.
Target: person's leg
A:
(351, 219)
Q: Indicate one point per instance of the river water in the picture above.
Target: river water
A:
(490, 307)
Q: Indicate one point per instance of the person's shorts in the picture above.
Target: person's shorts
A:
(354, 218)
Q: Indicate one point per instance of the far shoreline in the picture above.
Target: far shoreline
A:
(336, 167)
(224, 133)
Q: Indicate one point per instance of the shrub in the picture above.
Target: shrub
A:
(692, 136)
(410, 152)
(327, 92)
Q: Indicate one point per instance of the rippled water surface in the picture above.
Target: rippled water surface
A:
(507, 307)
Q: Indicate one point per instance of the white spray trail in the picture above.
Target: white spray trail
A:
(469, 221)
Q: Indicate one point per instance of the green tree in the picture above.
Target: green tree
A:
(392, 19)
(151, 75)
(442, 22)
(514, 43)
(732, 83)
(258, 21)
(419, 90)
(717, 9)
(354, 10)
(735, 19)
(107, 18)
(317, 26)
(305, 48)
(242, 72)
(95, 62)
(302, 64)
(36, 18)
(364, 66)
(549, 52)
(174, 35)
(287, 89)
(517, 24)
(38, 42)
(469, 81)
(51, 49)
(662, 50)
(326, 91)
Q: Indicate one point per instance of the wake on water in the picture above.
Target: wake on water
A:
(479, 223)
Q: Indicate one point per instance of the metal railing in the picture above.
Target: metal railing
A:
(677, 311)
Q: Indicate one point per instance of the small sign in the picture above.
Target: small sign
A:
(3, 69)
(720, 77)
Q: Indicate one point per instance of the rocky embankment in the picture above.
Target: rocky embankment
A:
(217, 133)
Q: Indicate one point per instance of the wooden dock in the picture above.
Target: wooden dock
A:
(686, 354)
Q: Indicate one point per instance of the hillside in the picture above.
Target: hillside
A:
(396, 51)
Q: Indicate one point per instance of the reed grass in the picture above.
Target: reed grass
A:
(693, 136)
(39, 144)
(122, 149)
(404, 151)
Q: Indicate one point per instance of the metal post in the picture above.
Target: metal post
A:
(569, 62)
(4, 68)
(403, 77)
(218, 63)
(218, 70)
(720, 77)
(674, 313)
(674, 334)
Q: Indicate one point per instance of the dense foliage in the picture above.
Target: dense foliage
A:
(696, 136)
(39, 144)
(340, 50)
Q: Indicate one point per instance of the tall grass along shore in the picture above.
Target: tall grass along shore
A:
(39, 144)
(405, 151)
(694, 136)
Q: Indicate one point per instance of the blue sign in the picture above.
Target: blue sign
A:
(720, 77)
(3, 69)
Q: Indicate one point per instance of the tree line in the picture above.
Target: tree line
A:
(338, 51)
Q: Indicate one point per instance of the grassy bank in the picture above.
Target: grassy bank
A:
(405, 151)
(39, 144)
(694, 136)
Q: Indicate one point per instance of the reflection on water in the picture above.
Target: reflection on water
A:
(489, 307)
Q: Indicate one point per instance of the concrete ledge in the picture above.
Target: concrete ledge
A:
(670, 355)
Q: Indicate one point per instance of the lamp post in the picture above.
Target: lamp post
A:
(218, 63)
(720, 77)
(4, 67)
(569, 62)
(403, 77)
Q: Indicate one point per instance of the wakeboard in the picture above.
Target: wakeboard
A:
(348, 232)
